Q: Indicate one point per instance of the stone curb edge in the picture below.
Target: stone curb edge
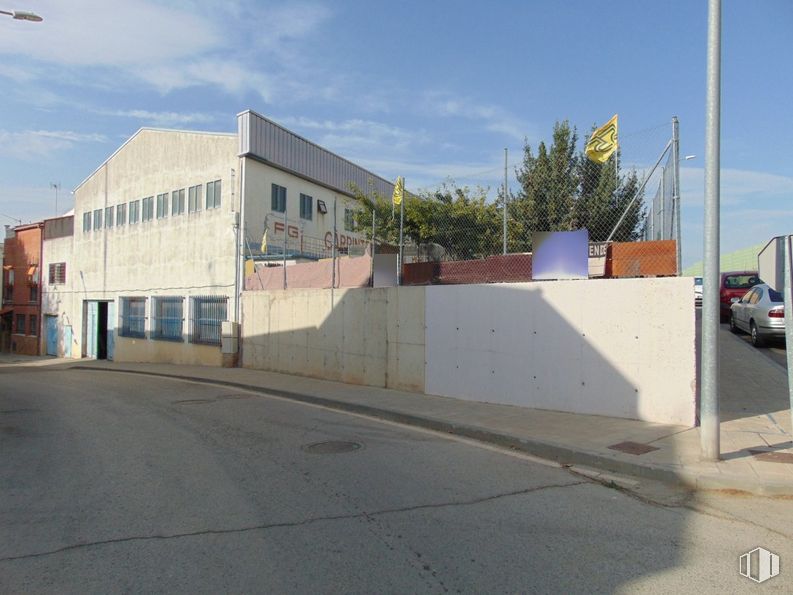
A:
(564, 455)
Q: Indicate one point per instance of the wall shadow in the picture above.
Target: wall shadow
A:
(496, 357)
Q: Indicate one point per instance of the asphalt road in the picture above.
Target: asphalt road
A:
(119, 483)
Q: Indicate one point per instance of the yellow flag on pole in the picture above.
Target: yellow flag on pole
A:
(603, 142)
(264, 242)
(399, 190)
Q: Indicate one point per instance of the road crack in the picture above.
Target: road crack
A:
(293, 524)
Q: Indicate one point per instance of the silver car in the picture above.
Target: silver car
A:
(761, 313)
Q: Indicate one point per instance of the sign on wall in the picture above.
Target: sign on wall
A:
(560, 255)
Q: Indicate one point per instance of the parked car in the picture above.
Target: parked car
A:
(698, 291)
(761, 313)
(734, 284)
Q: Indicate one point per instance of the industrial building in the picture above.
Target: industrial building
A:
(154, 268)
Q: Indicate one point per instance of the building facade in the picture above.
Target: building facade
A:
(20, 317)
(154, 268)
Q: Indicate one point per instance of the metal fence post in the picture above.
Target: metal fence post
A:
(676, 189)
(333, 253)
(709, 401)
(505, 201)
(788, 301)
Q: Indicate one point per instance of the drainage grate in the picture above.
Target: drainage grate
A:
(633, 448)
(773, 457)
(332, 447)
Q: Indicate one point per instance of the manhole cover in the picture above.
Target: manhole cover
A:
(633, 448)
(331, 447)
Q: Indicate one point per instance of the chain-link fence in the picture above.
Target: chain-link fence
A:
(456, 234)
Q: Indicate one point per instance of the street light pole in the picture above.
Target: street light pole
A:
(709, 401)
(56, 186)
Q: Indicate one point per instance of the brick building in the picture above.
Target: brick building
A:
(20, 316)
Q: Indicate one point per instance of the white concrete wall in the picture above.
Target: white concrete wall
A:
(184, 255)
(615, 347)
(361, 336)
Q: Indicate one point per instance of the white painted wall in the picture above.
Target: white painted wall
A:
(615, 347)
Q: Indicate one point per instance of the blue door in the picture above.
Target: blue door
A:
(52, 334)
(111, 329)
(67, 340)
(92, 311)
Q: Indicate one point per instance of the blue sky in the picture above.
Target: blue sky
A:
(428, 90)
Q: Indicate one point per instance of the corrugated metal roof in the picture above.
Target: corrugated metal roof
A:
(271, 143)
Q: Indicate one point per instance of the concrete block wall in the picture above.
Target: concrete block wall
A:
(620, 348)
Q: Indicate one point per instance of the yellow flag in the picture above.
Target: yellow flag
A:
(603, 142)
(264, 242)
(399, 190)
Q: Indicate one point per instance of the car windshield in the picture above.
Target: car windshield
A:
(774, 296)
(741, 281)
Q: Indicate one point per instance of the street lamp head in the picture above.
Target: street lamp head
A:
(688, 157)
(23, 15)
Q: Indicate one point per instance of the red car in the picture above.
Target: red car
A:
(734, 284)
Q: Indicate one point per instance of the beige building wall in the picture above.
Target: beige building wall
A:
(366, 336)
(185, 255)
(59, 299)
(318, 231)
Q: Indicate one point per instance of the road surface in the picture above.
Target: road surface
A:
(112, 482)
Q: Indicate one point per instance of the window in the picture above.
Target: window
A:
(33, 282)
(97, 219)
(109, 216)
(121, 214)
(207, 313)
(57, 273)
(162, 205)
(167, 318)
(133, 316)
(278, 203)
(194, 199)
(87, 221)
(148, 208)
(20, 324)
(134, 211)
(34, 327)
(9, 288)
(349, 219)
(213, 194)
(306, 207)
(177, 202)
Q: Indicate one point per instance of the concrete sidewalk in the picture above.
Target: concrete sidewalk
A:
(757, 453)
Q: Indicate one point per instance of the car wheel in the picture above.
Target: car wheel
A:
(733, 326)
(757, 340)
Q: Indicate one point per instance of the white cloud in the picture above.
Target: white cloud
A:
(93, 32)
(493, 118)
(737, 186)
(33, 144)
(160, 118)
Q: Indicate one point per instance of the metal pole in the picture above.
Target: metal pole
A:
(789, 317)
(709, 397)
(333, 249)
(401, 236)
(505, 200)
(676, 189)
(286, 236)
(663, 203)
(374, 214)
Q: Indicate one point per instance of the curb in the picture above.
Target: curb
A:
(564, 455)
